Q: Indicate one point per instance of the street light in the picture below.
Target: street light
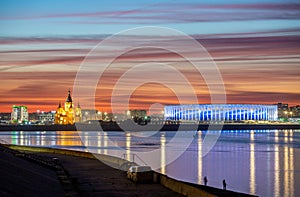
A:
(105, 116)
(285, 112)
(99, 115)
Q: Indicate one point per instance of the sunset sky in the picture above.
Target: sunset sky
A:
(255, 44)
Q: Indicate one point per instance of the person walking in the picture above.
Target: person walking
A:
(205, 181)
(224, 184)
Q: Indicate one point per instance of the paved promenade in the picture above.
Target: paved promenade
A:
(44, 172)
(20, 177)
(82, 177)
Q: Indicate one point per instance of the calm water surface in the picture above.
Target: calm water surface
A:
(261, 162)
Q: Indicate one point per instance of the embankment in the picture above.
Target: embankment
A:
(184, 188)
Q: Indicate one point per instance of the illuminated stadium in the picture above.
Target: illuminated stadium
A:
(221, 112)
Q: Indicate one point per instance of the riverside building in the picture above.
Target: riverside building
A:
(68, 114)
(19, 114)
(220, 112)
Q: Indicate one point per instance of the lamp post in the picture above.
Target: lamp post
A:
(99, 117)
(105, 116)
(286, 114)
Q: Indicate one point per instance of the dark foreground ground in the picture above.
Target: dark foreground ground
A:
(47, 174)
(20, 177)
(81, 177)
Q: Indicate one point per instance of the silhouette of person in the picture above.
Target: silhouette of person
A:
(224, 184)
(205, 180)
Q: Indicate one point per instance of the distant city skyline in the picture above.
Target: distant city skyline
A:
(255, 45)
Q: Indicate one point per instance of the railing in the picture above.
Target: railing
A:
(134, 157)
(3, 142)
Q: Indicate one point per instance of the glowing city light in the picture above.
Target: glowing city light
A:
(220, 112)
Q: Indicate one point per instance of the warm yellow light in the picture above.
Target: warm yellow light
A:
(163, 154)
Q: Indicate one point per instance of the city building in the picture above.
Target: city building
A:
(220, 112)
(157, 118)
(46, 117)
(137, 115)
(285, 112)
(90, 114)
(5, 118)
(108, 117)
(33, 117)
(294, 111)
(41, 117)
(68, 114)
(119, 117)
(19, 114)
(283, 109)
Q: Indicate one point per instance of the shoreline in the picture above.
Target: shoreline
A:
(163, 182)
(149, 127)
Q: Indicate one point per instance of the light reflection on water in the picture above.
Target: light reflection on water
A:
(163, 153)
(276, 167)
(265, 163)
(199, 164)
(252, 164)
(128, 144)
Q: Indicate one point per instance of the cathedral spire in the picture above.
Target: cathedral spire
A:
(69, 98)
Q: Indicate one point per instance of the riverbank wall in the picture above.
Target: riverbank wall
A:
(184, 188)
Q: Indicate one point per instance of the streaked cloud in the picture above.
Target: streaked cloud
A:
(176, 13)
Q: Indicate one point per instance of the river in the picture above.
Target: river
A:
(260, 162)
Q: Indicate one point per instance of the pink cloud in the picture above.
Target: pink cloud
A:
(253, 68)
